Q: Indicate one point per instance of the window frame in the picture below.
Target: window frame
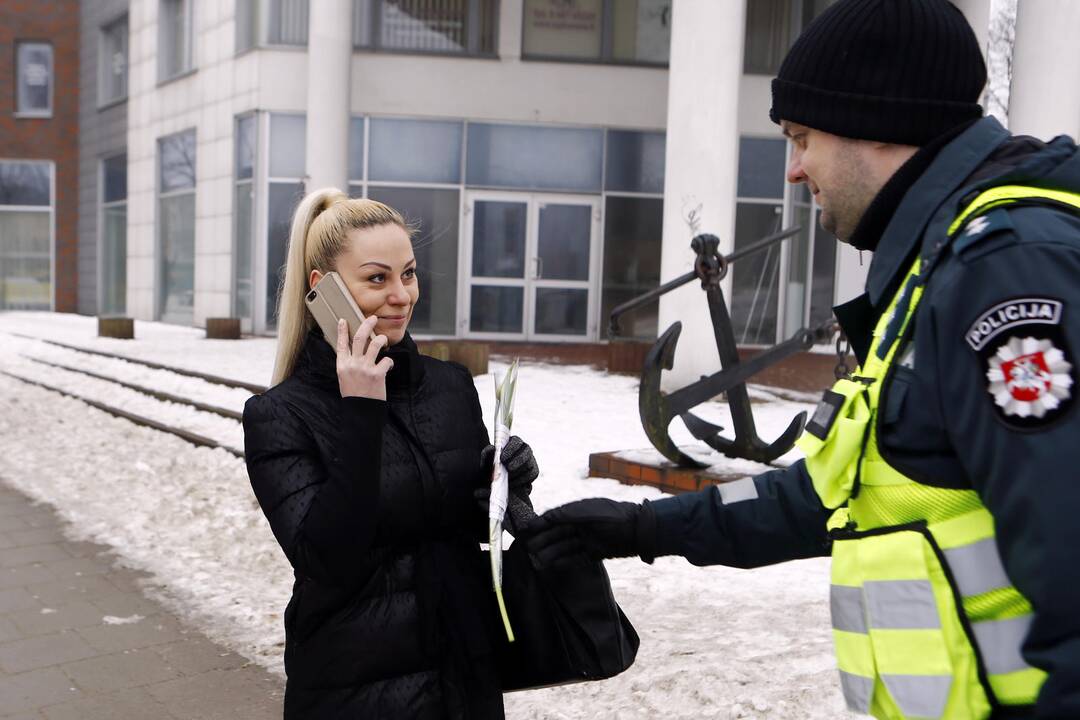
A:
(189, 66)
(260, 31)
(375, 24)
(34, 113)
(607, 57)
(159, 195)
(103, 35)
(51, 209)
(102, 206)
(253, 183)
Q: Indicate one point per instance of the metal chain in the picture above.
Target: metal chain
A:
(843, 347)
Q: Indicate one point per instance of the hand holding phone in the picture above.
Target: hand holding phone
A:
(360, 372)
(339, 318)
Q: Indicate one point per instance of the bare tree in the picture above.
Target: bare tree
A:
(999, 56)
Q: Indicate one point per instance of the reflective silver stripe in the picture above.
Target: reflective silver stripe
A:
(858, 691)
(919, 696)
(1000, 641)
(901, 604)
(733, 492)
(846, 606)
(977, 568)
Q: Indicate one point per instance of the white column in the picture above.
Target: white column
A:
(1045, 98)
(329, 60)
(701, 165)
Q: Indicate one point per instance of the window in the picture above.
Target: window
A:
(771, 28)
(113, 62)
(113, 224)
(633, 226)
(288, 160)
(458, 27)
(415, 151)
(271, 22)
(635, 161)
(34, 71)
(626, 31)
(436, 212)
(535, 158)
(174, 38)
(176, 228)
(755, 285)
(243, 217)
(26, 221)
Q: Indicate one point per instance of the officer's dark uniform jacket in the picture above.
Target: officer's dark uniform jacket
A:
(941, 423)
(372, 503)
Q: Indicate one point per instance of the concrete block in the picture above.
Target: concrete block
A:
(223, 328)
(152, 630)
(131, 704)
(31, 690)
(32, 554)
(43, 651)
(15, 599)
(194, 656)
(127, 669)
(118, 327)
(57, 618)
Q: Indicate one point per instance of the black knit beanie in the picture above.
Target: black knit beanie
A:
(899, 71)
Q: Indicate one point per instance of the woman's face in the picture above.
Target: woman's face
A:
(379, 268)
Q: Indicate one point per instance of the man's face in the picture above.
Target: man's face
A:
(838, 173)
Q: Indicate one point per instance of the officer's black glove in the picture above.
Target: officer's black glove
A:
(596, 529)
(522, 470)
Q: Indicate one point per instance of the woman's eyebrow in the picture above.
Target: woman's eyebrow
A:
(382, 265)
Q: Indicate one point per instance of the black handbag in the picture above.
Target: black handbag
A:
(567, 626)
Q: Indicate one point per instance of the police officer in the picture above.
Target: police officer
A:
(943, 476)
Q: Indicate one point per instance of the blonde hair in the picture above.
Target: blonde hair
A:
(316, 239)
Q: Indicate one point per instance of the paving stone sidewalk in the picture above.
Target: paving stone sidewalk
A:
(79, 640)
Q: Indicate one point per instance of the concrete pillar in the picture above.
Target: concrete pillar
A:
(1045, 98)
(329, 60)
(701, 165)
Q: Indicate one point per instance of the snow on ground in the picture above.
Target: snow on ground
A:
(716, 642)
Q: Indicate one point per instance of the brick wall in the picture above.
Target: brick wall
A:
(55, 138)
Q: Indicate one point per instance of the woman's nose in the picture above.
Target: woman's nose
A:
(398, 294)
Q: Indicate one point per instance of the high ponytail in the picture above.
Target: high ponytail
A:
(316, 238)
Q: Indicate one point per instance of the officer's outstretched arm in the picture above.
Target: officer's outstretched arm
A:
(752, 522)
(1007, 330)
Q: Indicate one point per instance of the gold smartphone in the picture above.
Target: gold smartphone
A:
(330, 301)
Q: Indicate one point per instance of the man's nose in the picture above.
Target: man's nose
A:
(795, 173)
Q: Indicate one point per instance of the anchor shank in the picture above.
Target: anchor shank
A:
(742, 419)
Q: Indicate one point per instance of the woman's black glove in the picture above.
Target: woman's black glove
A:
(521, 470)
(595, 529)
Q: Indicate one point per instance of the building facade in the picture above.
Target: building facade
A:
(39, 112)
(556, 154)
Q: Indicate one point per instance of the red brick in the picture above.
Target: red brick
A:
(55, 138)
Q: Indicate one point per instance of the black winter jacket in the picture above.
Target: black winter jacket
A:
(372, 503)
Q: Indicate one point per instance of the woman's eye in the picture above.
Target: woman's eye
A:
(410, 273)
(377, 278)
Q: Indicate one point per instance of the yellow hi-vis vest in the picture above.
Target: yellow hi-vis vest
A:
(926, 623)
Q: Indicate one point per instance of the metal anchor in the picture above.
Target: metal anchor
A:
(658, 409)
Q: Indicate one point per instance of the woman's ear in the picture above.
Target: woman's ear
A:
(314, 279)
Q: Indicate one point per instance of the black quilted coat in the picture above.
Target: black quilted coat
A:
(391, 612)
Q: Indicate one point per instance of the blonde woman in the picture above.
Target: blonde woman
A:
(365, 461)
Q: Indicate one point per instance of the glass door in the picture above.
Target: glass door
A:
(533, 267)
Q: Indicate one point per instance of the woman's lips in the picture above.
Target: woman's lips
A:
(393, 320)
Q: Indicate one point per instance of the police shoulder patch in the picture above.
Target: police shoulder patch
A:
(1029, 371)
(981, 227)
